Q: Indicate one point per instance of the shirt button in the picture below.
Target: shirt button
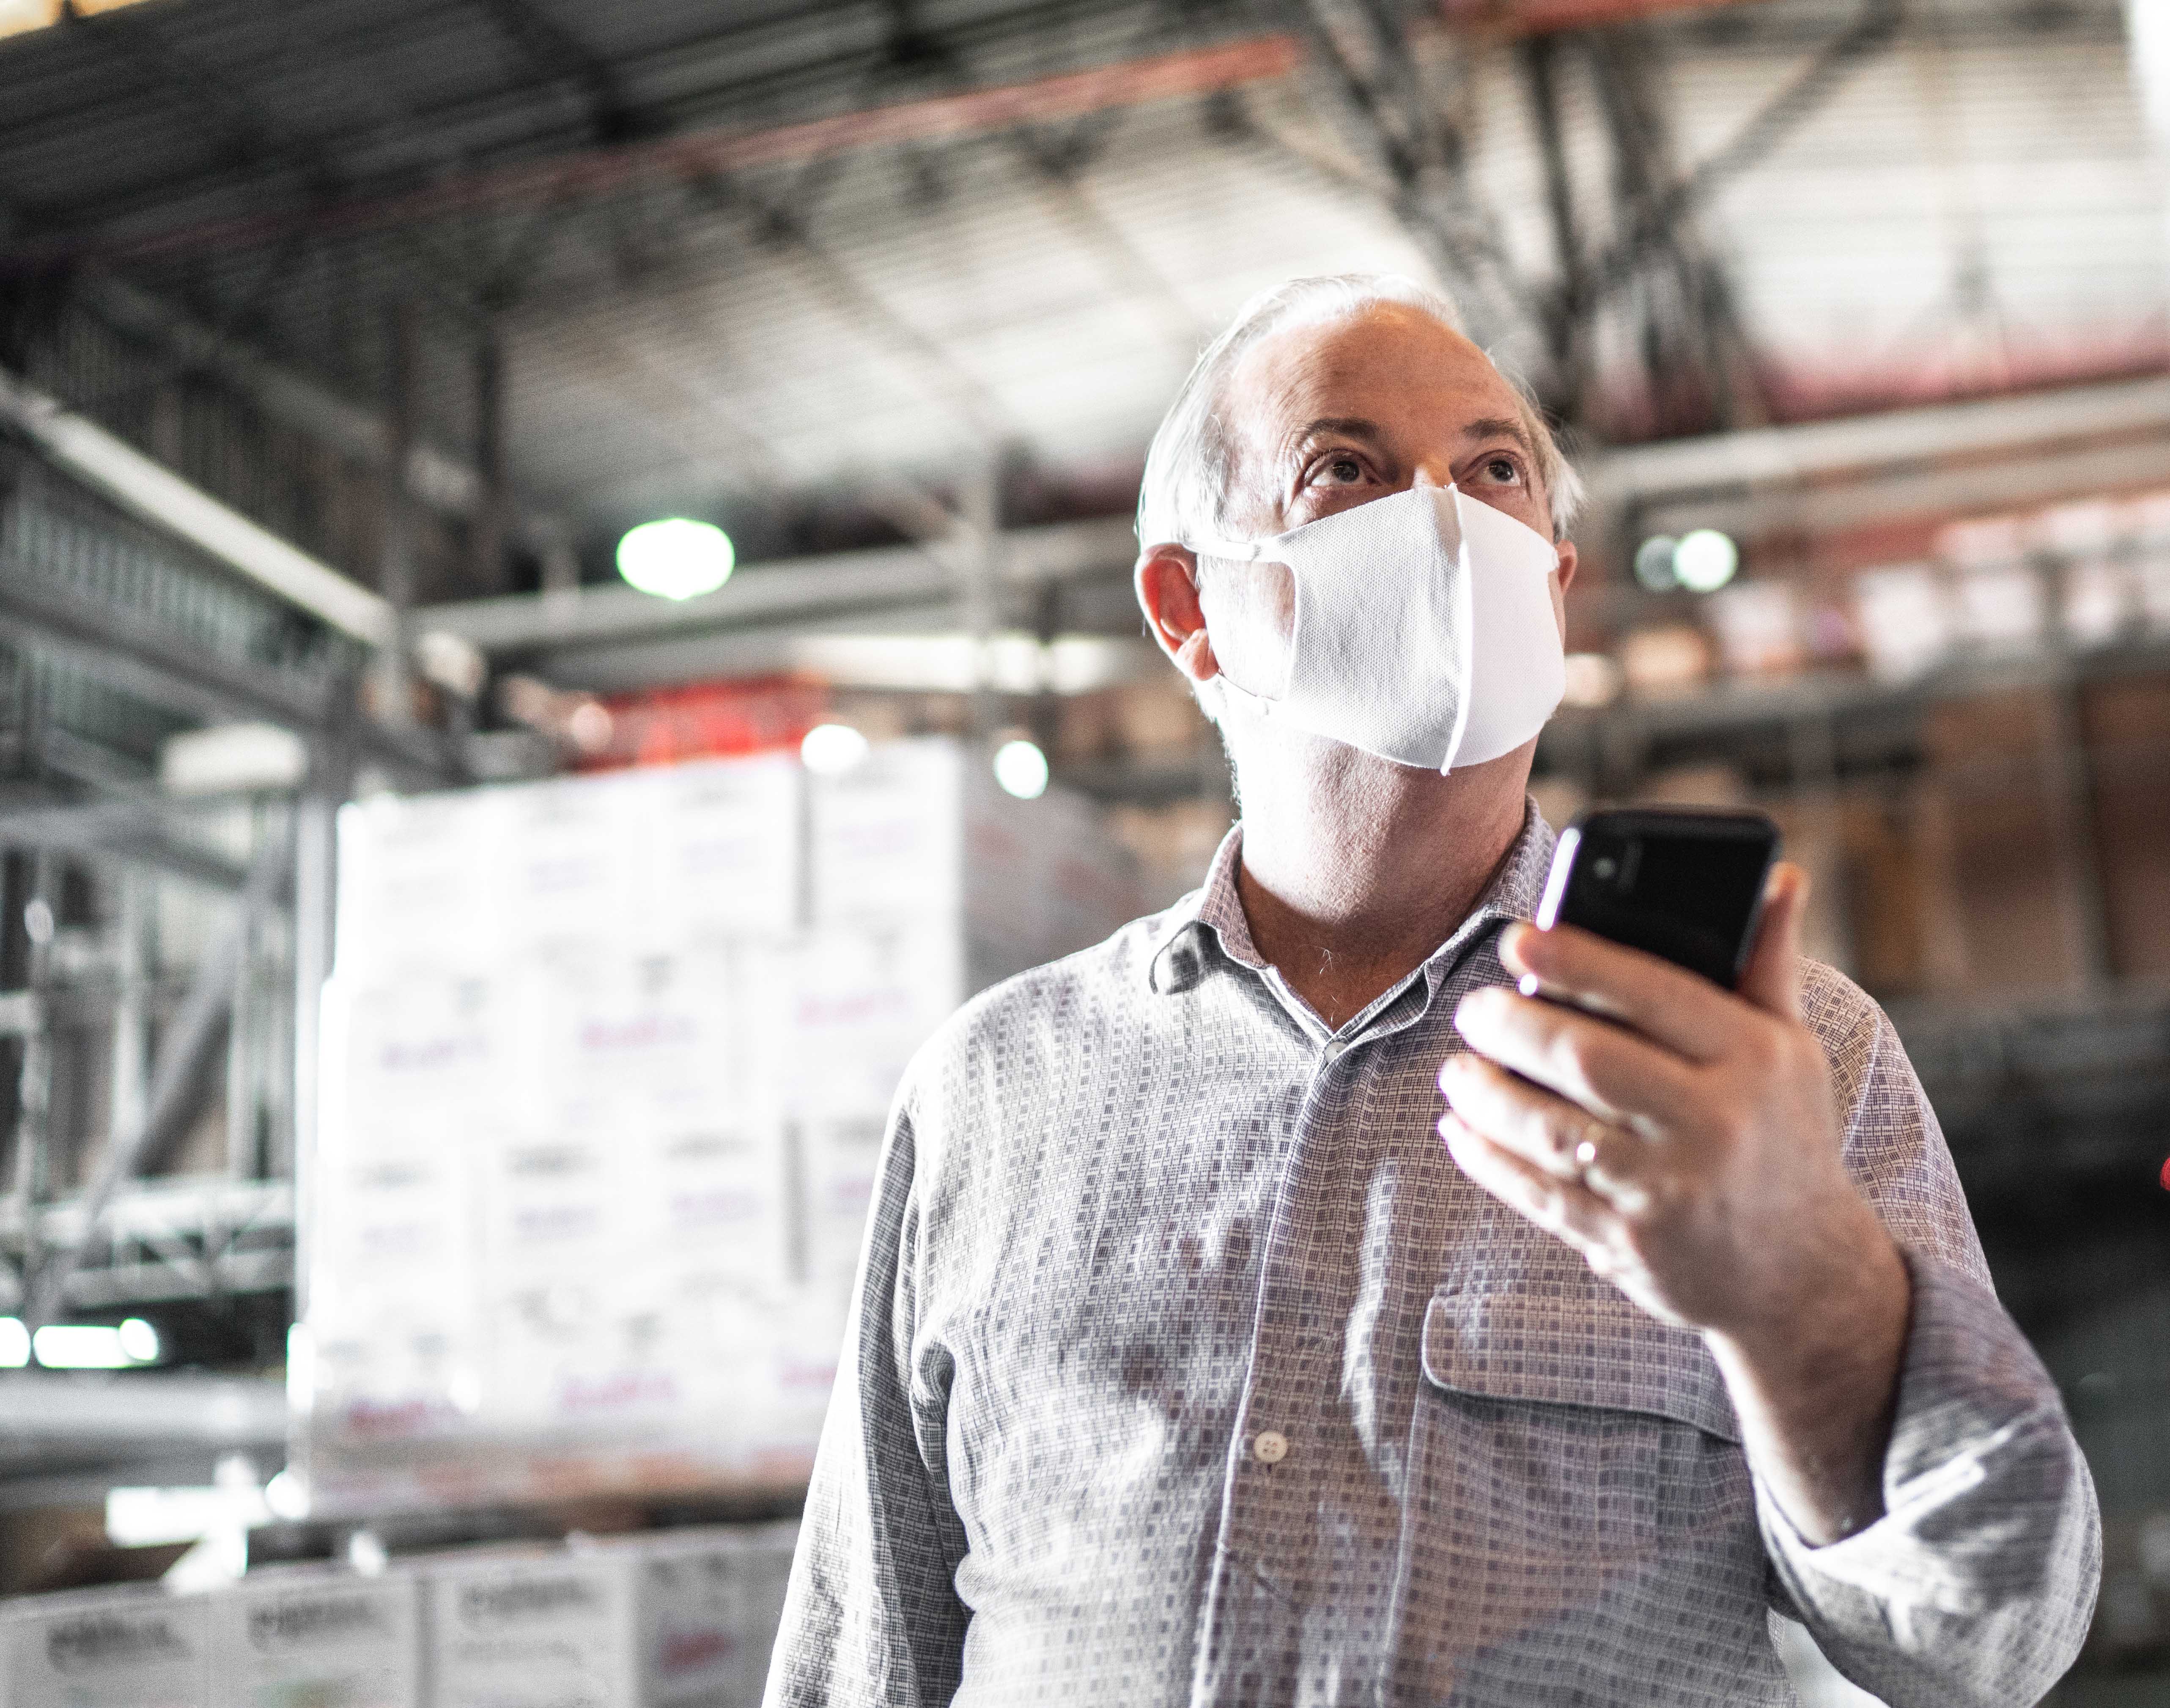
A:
(1334, 1050)
(1270, 1447)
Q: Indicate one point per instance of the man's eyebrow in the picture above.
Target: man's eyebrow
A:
(1348, 426)
(1499, 427)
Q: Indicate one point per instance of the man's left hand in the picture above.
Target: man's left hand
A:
(1683, 1139)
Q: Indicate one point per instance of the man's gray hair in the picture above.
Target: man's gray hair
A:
(1191, 465)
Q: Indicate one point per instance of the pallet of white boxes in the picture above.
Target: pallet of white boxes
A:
(670, 1619)
(607, 1064)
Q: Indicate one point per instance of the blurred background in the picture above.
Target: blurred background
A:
(564, 596)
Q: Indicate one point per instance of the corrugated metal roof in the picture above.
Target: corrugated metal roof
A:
(1975, 206)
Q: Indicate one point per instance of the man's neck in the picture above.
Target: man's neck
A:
(1355, 870)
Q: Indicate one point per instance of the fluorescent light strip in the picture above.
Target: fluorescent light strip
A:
(21, 16)
(78, 1346)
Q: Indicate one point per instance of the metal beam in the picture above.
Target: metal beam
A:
(143, 660)
(928, 649)
(447, 482)
(1566, 316)
(1652, 224)
(396, 529)
(562, 56)
(1794, 455)
(1380, 96)
(147, 489)
(1699, 370)
(493, 513)
(589, 173)
(135, 829)
(1058, 180)
(795, 590)
(100, 1411)
(1549, 17)
(1874, 498)
(249, 130)
(184, 1051)
(627, 364)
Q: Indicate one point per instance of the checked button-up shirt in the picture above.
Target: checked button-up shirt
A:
(1185, 1367)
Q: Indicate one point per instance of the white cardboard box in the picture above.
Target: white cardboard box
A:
(729, 848)
(408, 1048)
(887, 836)
(574, 859)
(527, 1631)
(107, 1649)
(418, 886)
(710, 1601)
(844, 1155)
(312, 1638)
(838, 1012)
(603, 1109)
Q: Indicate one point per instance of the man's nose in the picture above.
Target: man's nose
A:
(1433, 474)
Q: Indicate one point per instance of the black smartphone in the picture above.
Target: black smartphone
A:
(1682, 883)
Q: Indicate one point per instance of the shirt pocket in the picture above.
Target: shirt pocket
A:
(1576, 1341)
(1576, 1481)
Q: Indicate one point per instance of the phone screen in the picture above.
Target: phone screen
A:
(1684, 886)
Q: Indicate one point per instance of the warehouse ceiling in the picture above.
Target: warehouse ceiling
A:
(807, 268)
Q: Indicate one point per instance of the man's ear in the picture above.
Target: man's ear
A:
(1166, 579)
(1563, 577)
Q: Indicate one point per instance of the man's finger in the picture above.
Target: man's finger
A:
(1772, 981)
(1539, 1126)
(1681, 1009)
(1562, 1208)
(1607, 1069)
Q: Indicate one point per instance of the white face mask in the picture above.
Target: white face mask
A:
(1425, 629)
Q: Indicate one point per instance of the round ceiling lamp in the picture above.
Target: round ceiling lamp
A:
(1653, 562)
(676, 558)
(830, 750)
(1705, 561)
(1021, 768)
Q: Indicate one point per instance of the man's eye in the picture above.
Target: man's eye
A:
(1343, 470)
(1503, 469)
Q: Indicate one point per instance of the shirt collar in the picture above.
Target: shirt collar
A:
(1211, 915)
(1210, 918)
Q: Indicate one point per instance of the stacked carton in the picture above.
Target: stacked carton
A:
(309, 1639)
(670, 1619)
(609, 1061)
(114, 1649)
(539, 1630)
(707, 1604)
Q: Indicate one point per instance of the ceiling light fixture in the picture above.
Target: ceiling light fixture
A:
(830, 750)
(95, 1346)
(1654, 562)
(676, 558)
(1021, 768)
(20, 17)
(1705, 561)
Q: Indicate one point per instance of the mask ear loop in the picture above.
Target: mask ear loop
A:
(1466, 626)
(1245, 552)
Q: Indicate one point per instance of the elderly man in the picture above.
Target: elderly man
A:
(1201, 1355)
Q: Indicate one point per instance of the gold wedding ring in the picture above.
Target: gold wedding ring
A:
(1585, 1151)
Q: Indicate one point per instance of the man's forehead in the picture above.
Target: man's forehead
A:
(1350, 366)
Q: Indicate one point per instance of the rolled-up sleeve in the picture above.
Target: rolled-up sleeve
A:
(1976, 1585)
(872, 1615)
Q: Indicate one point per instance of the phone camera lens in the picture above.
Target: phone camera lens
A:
(1604, 867)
